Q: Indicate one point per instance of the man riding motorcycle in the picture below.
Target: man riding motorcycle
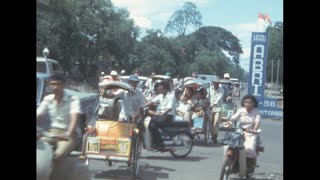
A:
(165, 110)
(64, 112)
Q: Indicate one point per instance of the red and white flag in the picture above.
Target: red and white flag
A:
(261, 24)
(267, 18)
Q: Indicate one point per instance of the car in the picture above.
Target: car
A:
(43, 74)
(53, 66)
(208, 77)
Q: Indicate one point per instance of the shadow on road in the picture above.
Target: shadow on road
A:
(171, 158)
(146, 172)
(202, 144)
(70, 168)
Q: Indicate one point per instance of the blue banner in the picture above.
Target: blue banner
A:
(269, 107)
(258, 64)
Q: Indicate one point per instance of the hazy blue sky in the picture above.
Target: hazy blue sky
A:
(237, 16)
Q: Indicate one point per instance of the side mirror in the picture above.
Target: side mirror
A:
(46, 52)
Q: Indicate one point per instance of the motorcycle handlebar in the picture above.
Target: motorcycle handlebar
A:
(250, 131)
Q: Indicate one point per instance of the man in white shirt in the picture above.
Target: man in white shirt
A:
(133, 102)
(216, 98)
(64, 110)
(165, 110)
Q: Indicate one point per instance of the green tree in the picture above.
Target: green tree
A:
(152, 54)
(184, 19)
(84, 30)
(275, 51)
(218, 39)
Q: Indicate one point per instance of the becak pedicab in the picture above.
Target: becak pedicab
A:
(200, 116)
(111, 140)
(228, 106)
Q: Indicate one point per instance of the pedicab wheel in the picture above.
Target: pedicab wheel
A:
(182, 145)
(136, 155)
(207, 132)
(226, 168)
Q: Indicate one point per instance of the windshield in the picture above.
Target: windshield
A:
(39, 90)
(41, 67)
(56, 67)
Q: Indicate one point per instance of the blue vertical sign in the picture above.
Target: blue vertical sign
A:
(258, 64)
(257, 76)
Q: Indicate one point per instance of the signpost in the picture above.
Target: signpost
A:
(257, 76)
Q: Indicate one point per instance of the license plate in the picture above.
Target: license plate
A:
(123, 147)
(93, 144)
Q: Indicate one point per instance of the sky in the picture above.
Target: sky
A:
(237, 16)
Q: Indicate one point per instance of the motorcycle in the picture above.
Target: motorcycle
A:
(176, 136)
(44, 157)
(235, 160)
(45, 152)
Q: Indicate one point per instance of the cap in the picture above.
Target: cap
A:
(133, 78)
(102, 73)
(226, 75)
(114, 73)
(123, 71)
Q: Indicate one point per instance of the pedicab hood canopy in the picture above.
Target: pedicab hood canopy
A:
(115, 85)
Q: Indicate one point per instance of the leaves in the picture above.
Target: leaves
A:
(184, 19)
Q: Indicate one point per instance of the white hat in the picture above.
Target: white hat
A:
(226, 75)
(123, 71)
(102, 73)
(114, 73)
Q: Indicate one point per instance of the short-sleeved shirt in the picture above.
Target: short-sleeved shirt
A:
(60, 114)
(184, 106)
(166, 102)
(132, 102)
(246, 118)
(216, 98)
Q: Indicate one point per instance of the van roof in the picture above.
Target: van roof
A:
(42, 59)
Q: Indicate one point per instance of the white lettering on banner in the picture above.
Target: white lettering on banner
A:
(259, 38)
(269, 104)
(272, 113)
(257, 68)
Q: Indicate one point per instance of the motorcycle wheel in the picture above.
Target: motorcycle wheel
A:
(207, 132)
(250, 169)
(187, 142)
(136, 156)
(226, 168)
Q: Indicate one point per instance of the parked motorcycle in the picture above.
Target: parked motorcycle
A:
(235, 160)
(176, 136)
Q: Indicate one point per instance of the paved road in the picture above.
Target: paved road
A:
(204, 162)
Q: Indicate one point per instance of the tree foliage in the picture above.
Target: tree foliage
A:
(100, 37)
(186, 18)
(85, 30)
(218, 39)
(275, 52)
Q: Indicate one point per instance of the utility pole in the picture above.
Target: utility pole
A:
(272, 71)
(278, 73)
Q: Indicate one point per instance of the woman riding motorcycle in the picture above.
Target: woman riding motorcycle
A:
(250, 117)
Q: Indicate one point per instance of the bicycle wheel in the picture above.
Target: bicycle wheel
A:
(136, 155)
(183, 143)
(225, 171)
(207, 132)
